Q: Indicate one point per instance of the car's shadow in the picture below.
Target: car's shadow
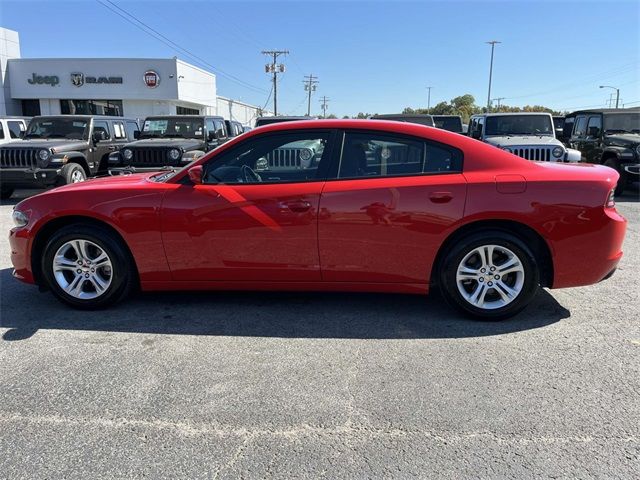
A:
(263, 314)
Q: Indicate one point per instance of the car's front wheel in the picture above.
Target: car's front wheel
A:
(87, 267)
(491, 275)
(71, 173)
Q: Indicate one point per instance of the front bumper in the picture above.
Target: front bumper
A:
(29, 178)
(19, 243)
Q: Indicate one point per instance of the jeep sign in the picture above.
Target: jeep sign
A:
(52, 80)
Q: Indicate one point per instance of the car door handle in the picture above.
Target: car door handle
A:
(298, 206)
(440, 197)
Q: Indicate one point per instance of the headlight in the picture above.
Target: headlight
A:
(20, 219)
(507, 149)
(43, 157)
(174, 154)
(305, 157)
(557, 152)
(127, 154)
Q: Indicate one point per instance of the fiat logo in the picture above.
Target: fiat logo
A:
(151, 78)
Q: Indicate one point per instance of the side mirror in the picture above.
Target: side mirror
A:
(477, 133)
(99, 136)
(195, 174)
(594, 132)
(136, 134)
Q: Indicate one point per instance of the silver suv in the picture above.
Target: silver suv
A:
(528, 135)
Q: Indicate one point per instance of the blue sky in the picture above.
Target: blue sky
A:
(369, 56)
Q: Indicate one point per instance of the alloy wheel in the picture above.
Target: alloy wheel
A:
(82, 269)
(490, 277)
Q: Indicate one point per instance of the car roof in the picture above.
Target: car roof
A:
(607, 110)
(86, 117)
(508, 114)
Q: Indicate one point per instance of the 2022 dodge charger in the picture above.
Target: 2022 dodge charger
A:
(381, 207)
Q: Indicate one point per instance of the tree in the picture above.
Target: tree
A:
(331, 115)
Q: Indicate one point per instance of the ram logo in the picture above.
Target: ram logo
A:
(77, 79)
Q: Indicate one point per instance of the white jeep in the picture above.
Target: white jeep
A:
(529, 135)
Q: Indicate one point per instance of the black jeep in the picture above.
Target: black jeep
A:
(168, 142)
(609, 137)
(62, 149)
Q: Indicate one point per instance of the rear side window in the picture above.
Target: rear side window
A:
(370, 155)
(118, 131)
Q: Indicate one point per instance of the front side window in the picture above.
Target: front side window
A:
(101, 127)
(382, 155)
(593, 126)
(58, 127)
(132, 127)
(580, 128)
(291, 157)
(15, 128)
(1, 130)
(219, 126)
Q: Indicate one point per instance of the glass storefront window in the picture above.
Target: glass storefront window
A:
(91, 107)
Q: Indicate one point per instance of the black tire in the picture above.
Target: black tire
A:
(622, 181)
(71, 173)
(123, 272)
(502, 239)
(6, 192)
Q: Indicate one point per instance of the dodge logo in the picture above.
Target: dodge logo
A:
(151, 78)
(77, 79)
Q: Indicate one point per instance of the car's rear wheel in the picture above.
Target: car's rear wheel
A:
(71, 173)
(87, 267)
(613, 163)
(490, 275)
(6, 192)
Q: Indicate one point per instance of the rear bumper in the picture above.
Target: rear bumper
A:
(591, 257)
(23, 178)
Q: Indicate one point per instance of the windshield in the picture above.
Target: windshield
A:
(71, 128)
(453, 124)
(172, 127)
(505, 125)
(622, 122)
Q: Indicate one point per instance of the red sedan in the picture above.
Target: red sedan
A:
(342, 205)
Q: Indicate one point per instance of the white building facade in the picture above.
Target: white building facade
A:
(129, 87)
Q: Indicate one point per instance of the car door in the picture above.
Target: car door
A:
(591, 145)
(248, 220)
(385, 215)
(99, 153)
(578, 135)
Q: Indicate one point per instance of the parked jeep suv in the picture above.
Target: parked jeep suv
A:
(453, 123)
(609, 137)
(529, 135)
(168, 142)
(62, 149)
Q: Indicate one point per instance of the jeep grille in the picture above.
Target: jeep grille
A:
(151, 157)
(285, 158)
(542, 154)
(18, 157)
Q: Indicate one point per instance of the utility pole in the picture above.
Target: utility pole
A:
(310, 83)
(617, 93)
(429, 100)
(498, 100)
(324, 106)
(275, 69)
(493, 44)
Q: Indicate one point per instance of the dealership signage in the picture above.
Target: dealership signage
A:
(36, 79)
(151, 78)
(79, 79)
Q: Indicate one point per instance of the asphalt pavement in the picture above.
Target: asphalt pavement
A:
(307, 385)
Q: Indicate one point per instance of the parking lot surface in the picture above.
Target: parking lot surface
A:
(284, 385)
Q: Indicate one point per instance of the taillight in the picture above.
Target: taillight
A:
(611, 201)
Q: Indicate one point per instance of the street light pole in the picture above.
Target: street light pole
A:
(429, 100)
(617, 93)
(493, 44)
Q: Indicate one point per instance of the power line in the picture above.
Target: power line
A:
(136, 22)
(310, 83)
(275, 69)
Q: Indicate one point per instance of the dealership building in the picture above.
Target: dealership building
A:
(131, 87)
